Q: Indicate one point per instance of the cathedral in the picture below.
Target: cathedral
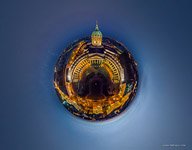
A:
(99, 78)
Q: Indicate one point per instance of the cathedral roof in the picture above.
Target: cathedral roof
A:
(96, 32)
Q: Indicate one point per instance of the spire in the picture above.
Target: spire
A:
(97, 26)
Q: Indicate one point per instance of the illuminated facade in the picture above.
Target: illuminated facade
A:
(96, 77)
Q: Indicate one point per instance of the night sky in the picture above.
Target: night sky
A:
(33, 34)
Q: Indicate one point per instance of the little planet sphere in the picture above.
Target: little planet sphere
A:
(96, 77)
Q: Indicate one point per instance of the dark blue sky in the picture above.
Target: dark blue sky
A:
(32, 36)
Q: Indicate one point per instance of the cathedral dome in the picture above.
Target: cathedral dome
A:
(96, 36)
(96, 32)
